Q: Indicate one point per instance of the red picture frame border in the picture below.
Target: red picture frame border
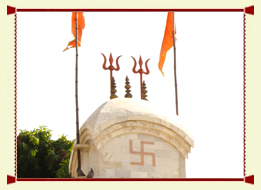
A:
(246, 10)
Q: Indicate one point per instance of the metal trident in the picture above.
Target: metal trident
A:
(140, 71)
(111, 68)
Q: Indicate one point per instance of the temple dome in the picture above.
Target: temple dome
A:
(120, 120)
(120, 110)
(125, 108)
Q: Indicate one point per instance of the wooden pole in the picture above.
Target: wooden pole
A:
(76, 92)
(110, 81)
(141, 86)
(175, 76)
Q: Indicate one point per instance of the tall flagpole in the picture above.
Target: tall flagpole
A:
(175, 76)
(79, 172)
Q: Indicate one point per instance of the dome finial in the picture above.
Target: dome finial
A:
(113, 89)
(127, 86)
(144, 91)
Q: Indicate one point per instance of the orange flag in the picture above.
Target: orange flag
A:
(81, 25)
(167, 42)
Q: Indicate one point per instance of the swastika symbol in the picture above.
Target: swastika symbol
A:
(142, 153)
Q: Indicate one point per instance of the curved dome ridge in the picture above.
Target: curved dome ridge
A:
(126, 107)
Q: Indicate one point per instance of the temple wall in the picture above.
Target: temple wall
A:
(140, 156)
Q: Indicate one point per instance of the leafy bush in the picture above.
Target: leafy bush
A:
(40, 157)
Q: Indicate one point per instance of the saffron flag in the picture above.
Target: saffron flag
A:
(167, 42)
(81, 25)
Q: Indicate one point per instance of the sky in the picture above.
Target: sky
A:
(209, 55)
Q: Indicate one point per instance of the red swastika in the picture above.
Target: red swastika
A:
(142, 153)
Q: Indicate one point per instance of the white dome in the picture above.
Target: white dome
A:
(122, 109)
(126, 116)
(125, 107)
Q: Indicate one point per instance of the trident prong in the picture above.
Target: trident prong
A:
(140, 71)
(111, 67)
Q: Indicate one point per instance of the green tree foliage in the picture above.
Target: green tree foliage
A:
(38, 156)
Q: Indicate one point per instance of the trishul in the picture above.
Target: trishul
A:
(111, 68)
(140, 71)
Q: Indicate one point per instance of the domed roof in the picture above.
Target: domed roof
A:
(128, 108)
(121, 116)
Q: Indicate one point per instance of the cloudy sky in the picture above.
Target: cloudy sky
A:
(209, 75)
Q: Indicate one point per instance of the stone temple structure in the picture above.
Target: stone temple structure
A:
(128, 138)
